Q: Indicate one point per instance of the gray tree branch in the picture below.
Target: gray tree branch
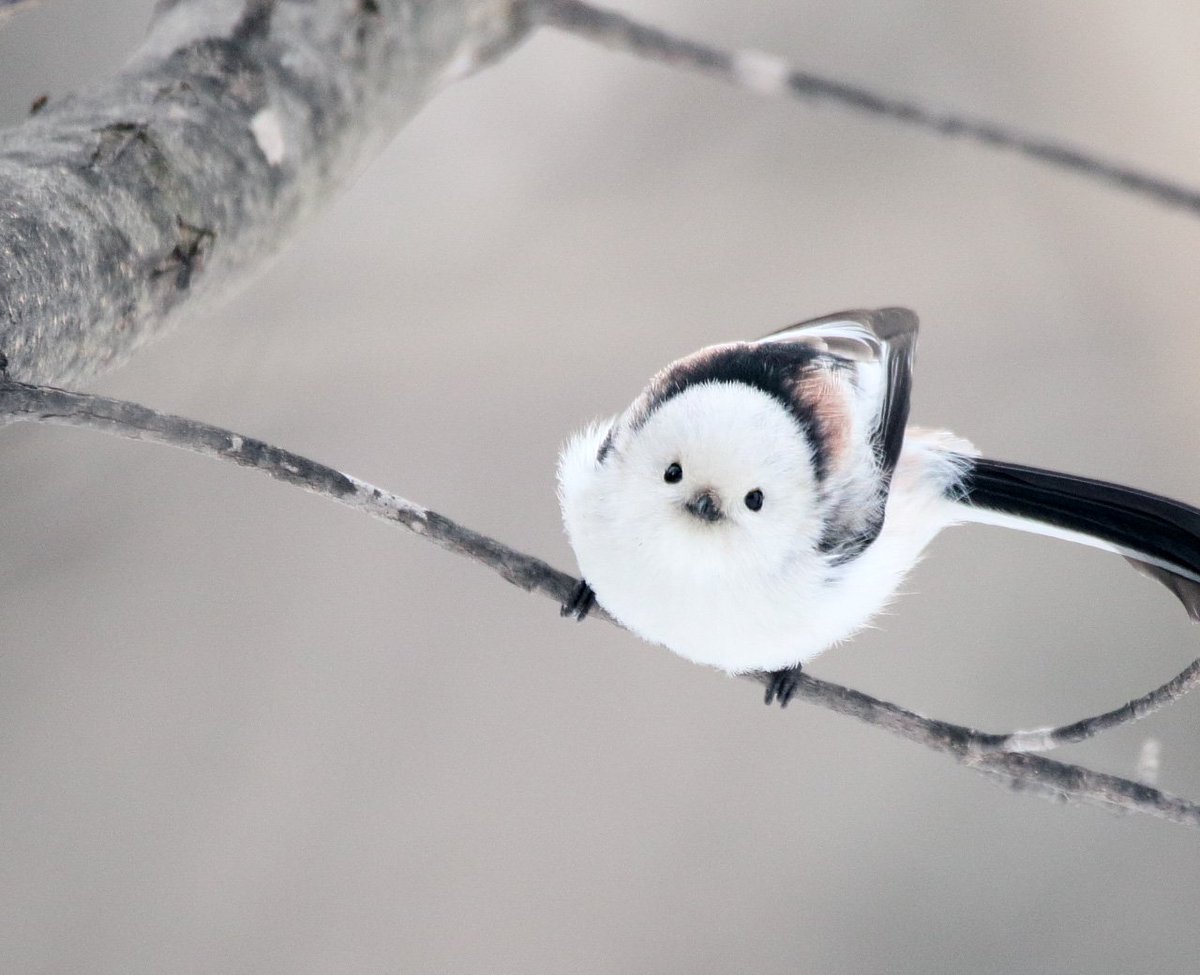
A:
(767, 74)
(176, 178)
(8, 7)
(236, 119)
(1006, 756)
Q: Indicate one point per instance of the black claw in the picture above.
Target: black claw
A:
(781, 685)
(583, 598)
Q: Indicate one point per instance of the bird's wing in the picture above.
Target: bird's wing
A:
(858, 387)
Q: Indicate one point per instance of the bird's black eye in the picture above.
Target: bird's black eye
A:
(754, 499)
(673, 474)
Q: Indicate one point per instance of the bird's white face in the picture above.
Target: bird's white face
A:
(717, 479)
(698, 517)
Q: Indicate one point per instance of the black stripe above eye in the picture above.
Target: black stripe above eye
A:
(773, 368)
(607, 444)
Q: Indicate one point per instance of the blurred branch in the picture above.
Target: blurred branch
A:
(767, 74)
(177, 178)
(12, 6)
(236, 119)
(1004, 756)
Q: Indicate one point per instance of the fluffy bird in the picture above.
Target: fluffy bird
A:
(761, 501)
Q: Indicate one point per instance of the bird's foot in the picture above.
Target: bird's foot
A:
(583, 598)
(781, 685)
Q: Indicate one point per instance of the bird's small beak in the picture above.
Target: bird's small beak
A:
(705, 506)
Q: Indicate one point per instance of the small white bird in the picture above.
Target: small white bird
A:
(761, 501)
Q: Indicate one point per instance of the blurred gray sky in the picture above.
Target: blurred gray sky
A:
(244, 731)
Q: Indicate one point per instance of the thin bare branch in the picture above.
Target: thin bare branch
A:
(972, 744)
(767, 74)
(131, 421)
(1003, 756)
(1043, 739)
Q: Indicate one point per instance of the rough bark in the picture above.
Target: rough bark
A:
(176, 178)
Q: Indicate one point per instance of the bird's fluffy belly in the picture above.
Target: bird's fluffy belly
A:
(731, 605)
(729, 620)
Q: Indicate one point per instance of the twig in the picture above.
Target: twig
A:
(999, 755)
(972, 744)
(769, 75)
(19, 401)
(1043, 739)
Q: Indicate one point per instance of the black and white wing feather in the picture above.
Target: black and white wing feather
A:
(845, 378)
(856, 387)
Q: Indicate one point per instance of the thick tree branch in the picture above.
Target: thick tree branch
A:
(769, 75)
(1006, 756)
(178, 177)
(236, 119)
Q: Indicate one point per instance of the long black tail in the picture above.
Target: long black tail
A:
(1159, 537)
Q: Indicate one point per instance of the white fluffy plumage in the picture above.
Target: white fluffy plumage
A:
(761, 501)
(750, 592)
(791, 418)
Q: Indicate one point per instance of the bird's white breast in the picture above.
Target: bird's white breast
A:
(729, 608)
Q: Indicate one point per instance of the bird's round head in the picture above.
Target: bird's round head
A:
(718, 474)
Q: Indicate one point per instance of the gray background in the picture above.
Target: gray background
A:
(242, 730)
